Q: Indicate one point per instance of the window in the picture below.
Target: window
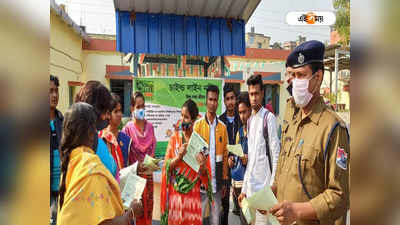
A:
(123, 88)
(259, 45)
(251, 39)
(118, 87)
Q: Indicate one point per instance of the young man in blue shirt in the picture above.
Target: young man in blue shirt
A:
(56, 120)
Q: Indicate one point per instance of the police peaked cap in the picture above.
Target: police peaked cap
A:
(306, 53)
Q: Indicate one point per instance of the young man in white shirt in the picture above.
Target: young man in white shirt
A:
(263, 152)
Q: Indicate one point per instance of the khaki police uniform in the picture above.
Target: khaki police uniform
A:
(290, 110)
(323, 165)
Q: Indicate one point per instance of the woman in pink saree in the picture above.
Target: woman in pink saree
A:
(141, 132)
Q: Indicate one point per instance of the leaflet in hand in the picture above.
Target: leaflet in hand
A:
(196, 144)
(248, 213)
(236, 149)
(133, 189)
(272, 219)
(264, 200)
(151, 164)
(125, 172)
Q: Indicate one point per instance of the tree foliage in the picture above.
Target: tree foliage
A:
(277, 45)
(342, 25)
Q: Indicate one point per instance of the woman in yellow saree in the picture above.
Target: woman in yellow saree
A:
(89, 194)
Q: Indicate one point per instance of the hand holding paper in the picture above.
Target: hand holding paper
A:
(151, 164)
(137, 208)
(196, 144)
(125, 172)
(248, 213)
(148, 160)
(264, 200)
(133, 189)
(236, 149)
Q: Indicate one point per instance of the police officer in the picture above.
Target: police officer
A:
(312, 178)
(290, 104)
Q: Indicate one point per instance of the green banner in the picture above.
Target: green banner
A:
(175, 91)
(164, 98)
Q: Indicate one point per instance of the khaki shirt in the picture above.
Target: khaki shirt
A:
(327, 181)
(290, 110)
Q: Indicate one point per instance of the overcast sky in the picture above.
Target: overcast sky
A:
(269, 18)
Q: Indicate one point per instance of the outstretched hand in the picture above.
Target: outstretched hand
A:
(137, 208)
(285, 212)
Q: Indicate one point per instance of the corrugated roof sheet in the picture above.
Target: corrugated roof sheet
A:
(67, 19)
(234, 9)
(179, 35)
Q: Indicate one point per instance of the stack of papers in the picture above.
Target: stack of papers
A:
(262, 200)
(133, 189)
(124, 174)
(236, 149)
(132, 185)
(151, 164)
(196, 145)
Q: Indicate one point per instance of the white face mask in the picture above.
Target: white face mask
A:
(139, 114)
(301, 94)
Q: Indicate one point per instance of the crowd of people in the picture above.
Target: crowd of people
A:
(307, 169)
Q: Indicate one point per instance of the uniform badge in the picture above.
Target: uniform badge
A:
(341, 158)
(301, 142)
(121, 144)
(300, 59)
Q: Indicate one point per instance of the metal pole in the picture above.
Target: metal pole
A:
(135, 64)
(222, 66)
(336, 74)
(330, 81)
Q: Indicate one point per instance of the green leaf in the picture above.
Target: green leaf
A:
(342, 24)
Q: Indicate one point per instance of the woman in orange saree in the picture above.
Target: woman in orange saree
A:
(180, 185)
